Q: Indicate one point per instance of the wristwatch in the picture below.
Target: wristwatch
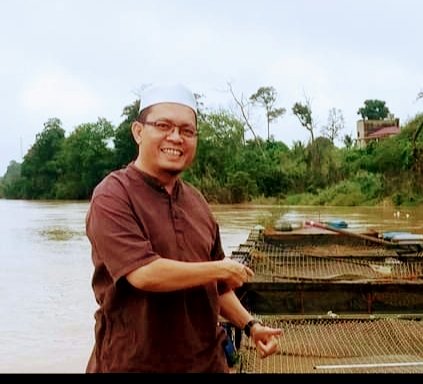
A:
(247, 328)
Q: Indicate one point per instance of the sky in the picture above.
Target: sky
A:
(80, 60)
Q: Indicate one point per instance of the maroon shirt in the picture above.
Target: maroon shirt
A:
(132, 221)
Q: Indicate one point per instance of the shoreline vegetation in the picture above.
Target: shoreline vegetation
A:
(385, 203)
(229, 167)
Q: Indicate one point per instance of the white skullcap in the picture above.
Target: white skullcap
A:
(175, 93)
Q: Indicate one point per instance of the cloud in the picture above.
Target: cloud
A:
(59, 93)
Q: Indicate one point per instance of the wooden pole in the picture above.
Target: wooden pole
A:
(370, 365)
(349, 233)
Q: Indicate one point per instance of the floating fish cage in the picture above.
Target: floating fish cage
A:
(339, 344)
(346, 304)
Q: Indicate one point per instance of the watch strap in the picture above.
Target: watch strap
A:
(247, 328)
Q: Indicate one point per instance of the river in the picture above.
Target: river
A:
(46, 301)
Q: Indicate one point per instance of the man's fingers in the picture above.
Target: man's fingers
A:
(269, 348)
(276, 331)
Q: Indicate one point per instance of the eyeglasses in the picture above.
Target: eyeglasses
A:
(167, 127)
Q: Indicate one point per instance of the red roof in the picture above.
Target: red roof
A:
(382, 132)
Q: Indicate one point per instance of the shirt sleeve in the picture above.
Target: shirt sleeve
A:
(117, 238)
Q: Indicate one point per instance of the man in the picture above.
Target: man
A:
(161, 278)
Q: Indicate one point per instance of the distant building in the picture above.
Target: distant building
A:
(368, 130)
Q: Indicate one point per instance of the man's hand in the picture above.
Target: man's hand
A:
(234, 273)
(265, 339)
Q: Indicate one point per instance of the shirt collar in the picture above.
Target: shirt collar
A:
(154, 182)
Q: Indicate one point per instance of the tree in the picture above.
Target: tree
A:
(417, 152)
(200, 105)
(373, 110)
(13, 172)
(335, 124)
(126, 149)
(266, 97)
(243, 106)
(219, 146)
(221, 140)
(85, 159)
(40, 169)
(11, 182)
(348, 141)
(303, 113)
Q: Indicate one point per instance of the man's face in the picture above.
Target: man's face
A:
(164, 148)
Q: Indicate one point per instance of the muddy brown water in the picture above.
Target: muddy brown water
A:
(46, 300)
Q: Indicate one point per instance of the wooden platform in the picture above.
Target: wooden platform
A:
(342, 297)
(313, 271)
(311, 234)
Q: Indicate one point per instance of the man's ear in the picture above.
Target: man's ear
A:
(136, 129)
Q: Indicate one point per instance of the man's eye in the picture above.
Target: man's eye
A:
(163, 125)
(188, 132)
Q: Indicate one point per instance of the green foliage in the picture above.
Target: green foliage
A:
(212, 190)
(296, 167)
(405, 198)
(304, 115)
(264, 167)
(40, 169)
(241, 187)
(373, 110)
(365, 188)
(390, 155)
(10, 184)
(266, 97)
(371, 185)
(85, 159)
(316, 166)
(348, 141)
(347, 193)
(219, 145)
(301, 199)
(228, 168)
(126, 149)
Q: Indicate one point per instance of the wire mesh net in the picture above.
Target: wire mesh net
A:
(352, 275)
(316, 259)
(339, 345)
